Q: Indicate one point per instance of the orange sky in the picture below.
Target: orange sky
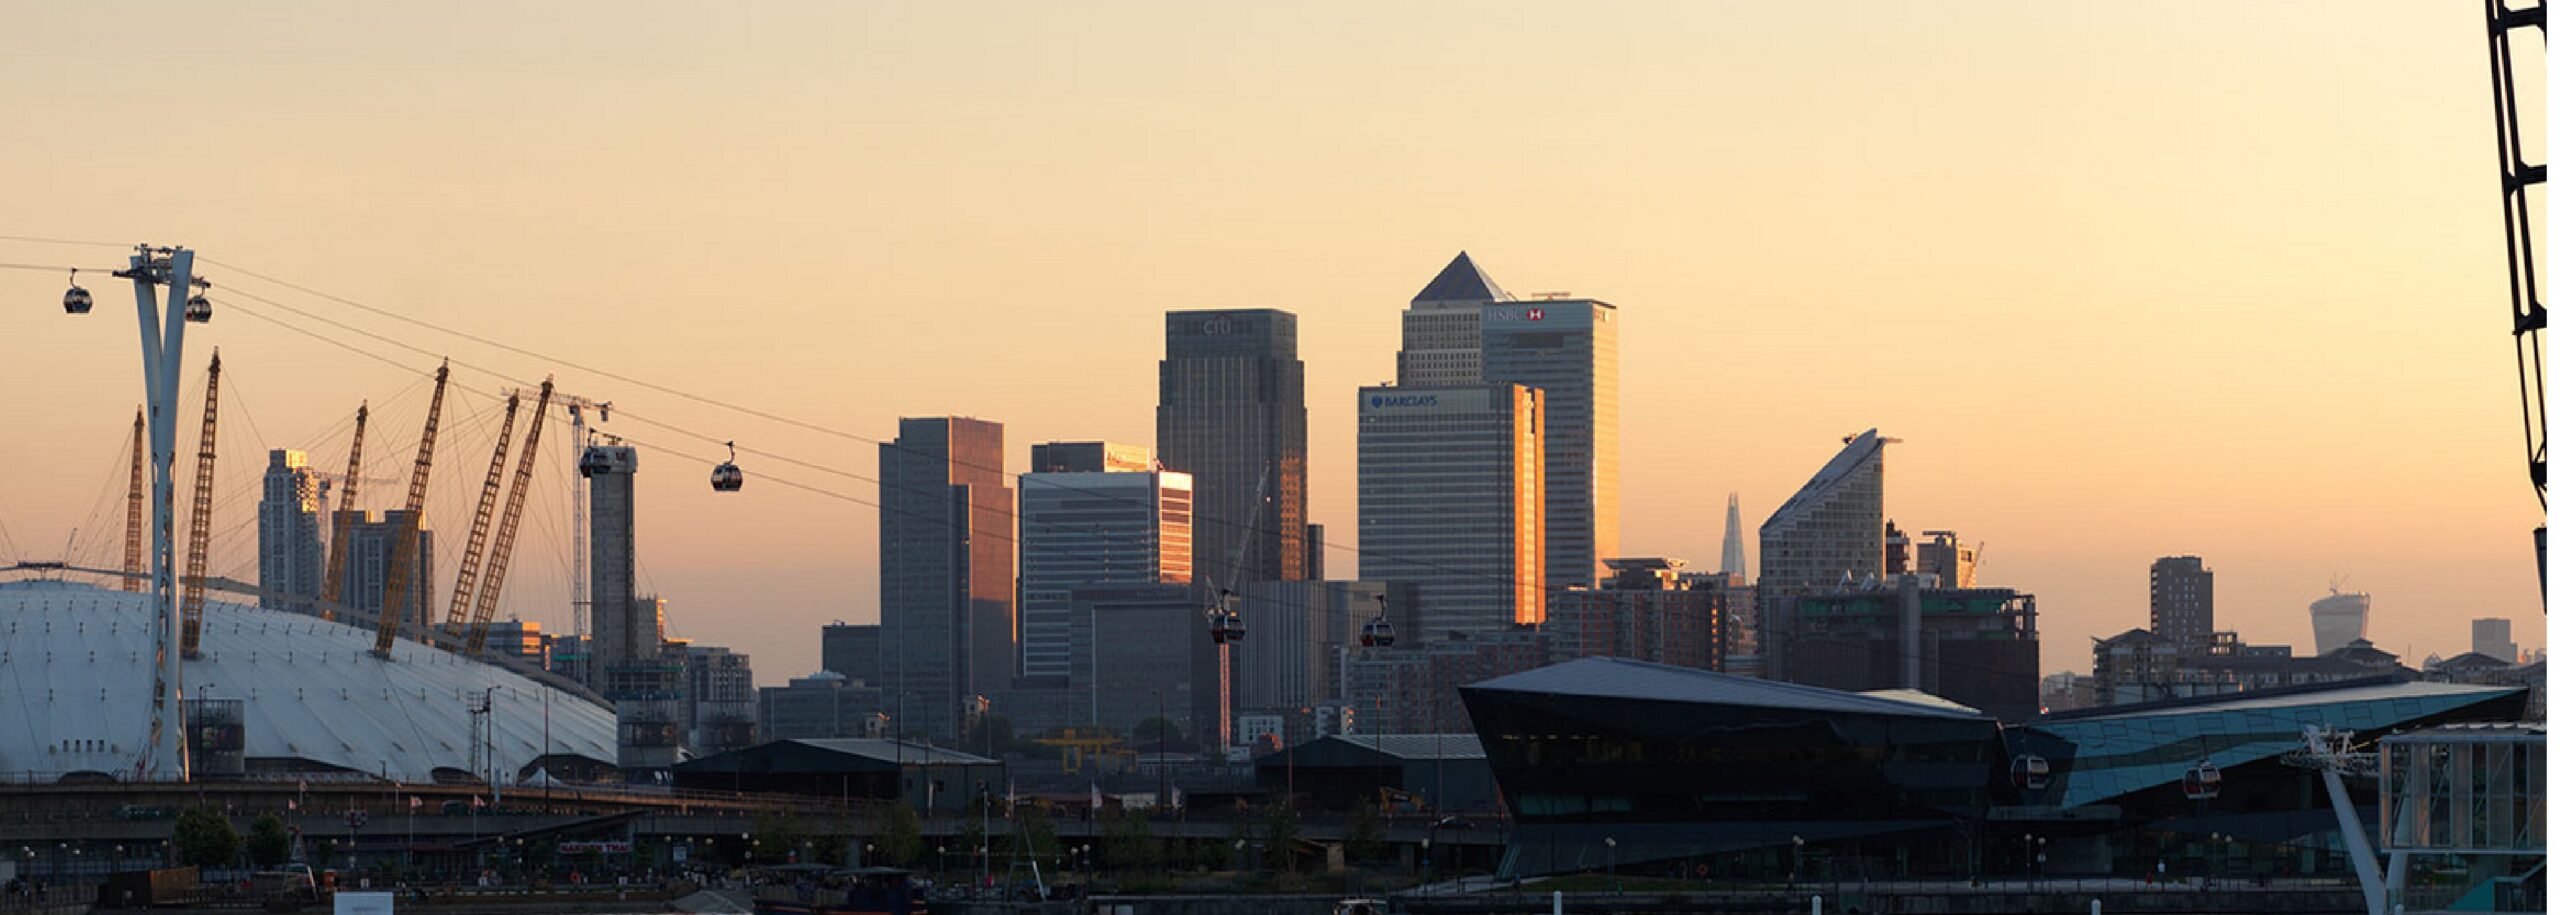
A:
(2177, 278)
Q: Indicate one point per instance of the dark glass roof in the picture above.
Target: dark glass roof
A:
(1462, 281)
(1620, 678)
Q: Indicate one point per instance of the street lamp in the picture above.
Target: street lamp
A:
(1426, 864)
(1797, 863)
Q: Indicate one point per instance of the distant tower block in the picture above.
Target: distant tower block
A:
(2339, 619)
(1733, 564)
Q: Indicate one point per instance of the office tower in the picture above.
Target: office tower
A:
(2338, 619)
(1646, 611)
(1091, 457)
(371, 542)
(1444, 328)
(1733, 559)
(1231, 411)
(291, 562)
(1450, 483)
(1299, 632)
(2494, 637)
(1568, 350)
(2182, 601)
(1831, 530)
(1949, 559)
(1462, 329)
(1973, 646)
(719, 698)
(1414, 689)
(1314, 543)
(622, 635)
(1151, 655)
(946, 570)
(1081, 528)
(822, 706)
(851, 649)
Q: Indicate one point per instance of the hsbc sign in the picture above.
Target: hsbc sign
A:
(1529, 313)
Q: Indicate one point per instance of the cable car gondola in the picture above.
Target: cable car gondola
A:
(75, 300)
(591, 461)
(1225, 625)
(1377, 632)
(2203, 781)
(727, 477)
(199, 309)
(2030, 772)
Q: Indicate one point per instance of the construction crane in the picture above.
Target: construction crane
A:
(469, 573)
(505, 548)
(199, 521)
(134, 575)
(404, 550)
(578, 582)
(341, 524)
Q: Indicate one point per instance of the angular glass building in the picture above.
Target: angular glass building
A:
(1680, 772)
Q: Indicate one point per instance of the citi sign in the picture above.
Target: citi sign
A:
(1377, 401)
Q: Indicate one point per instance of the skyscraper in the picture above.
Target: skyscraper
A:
(2182, 601)
(1832, 528)
(1462, 329)
(1734, 563)
(851, 649)
(622, 637)
(291, 562)
(2338, 619)
(946, 570)
(1450, 484)
(2495, 637)
(371, 542)
(1444, 328)
(1568, 350)
(1231, 411)
(1081, 528)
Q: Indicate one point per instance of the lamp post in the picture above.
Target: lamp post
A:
(1426, 864)
(1612, 843)
(1797, 863)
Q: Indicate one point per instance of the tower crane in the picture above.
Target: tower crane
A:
(469, 572)
(404, 551)
(199, 521)
(578, 558)
(133, 572)
(340, 524)
(505, 548)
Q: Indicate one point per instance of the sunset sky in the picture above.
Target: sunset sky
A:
(2128, 281)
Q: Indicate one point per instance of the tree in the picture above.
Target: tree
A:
(1279, 834)
(204, 838)
(778, 837)
(1041, 834)
(1368, 839)
(269, 843)
(901, 836)
(1128, 843)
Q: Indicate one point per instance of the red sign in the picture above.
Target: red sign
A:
(1537, 314)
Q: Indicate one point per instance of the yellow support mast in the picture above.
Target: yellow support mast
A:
(200, 521)
(342, 524)
(134, 573)
(505, 548)
(458, 612)
(404, 551)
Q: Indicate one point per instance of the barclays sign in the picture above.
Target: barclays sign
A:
(1377, 401)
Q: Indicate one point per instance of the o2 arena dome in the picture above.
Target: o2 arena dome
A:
(276, 694)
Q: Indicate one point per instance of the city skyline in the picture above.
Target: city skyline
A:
(2235, 326)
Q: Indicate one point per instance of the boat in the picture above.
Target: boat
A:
(816, 889)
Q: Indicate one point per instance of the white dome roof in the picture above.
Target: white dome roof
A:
(76, 674)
